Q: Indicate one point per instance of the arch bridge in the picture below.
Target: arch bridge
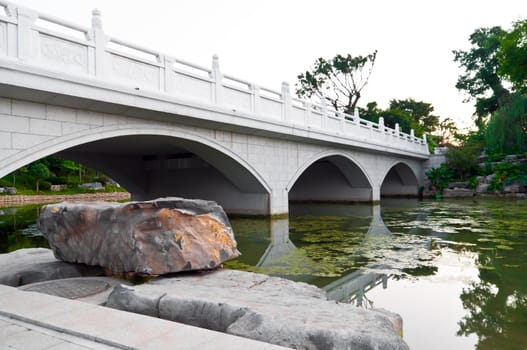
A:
(161, 126)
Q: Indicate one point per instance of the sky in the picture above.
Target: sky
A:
(270, 41)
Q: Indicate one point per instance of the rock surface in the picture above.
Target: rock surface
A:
(93, 290)
(458, 192)
(260, 307)
(25, 266)
(154, 237)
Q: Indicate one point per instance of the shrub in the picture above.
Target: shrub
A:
(439, 177)
(473, 182)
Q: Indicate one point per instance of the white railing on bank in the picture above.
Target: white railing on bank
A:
(56, 44)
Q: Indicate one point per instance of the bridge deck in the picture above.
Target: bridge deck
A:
(30, 320)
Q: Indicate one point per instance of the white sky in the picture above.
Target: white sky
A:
(270, 41)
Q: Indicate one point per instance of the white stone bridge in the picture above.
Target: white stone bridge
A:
(162, 126)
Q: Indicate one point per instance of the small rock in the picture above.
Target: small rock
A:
(92, 186)
(482, 188)
(10, 190)
(454, 185)
(458, 192)
(512, 188)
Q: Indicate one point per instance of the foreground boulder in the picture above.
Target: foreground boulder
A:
(25, 266)
(155, 237)
(264, 308)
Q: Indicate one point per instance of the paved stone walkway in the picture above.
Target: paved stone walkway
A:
(20, 335)
(35, 321)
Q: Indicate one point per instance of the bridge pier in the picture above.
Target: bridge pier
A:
(279, 203)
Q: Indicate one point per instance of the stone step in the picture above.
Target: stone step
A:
(109, 327)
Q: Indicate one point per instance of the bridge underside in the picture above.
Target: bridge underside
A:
(332, 179)
(400, 182)
(156, 166)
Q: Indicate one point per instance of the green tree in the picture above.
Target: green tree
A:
(447, 132)
(40, 172)
(372, 112)
(480, 79)
(506, 132)
(338, 81)
(463, 159)
(512, 56)
(417, 114)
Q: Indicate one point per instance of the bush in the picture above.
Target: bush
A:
(464, 160)
(439, 177)
(45, 185)
(506, 173)
(473, 182)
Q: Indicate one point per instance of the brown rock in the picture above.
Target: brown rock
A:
(155, 237)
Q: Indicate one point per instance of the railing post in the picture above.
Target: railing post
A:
(342, 121)
(307, 116)
(26, 19)
(381, 124)
(100, 40)
(286, 101)
(424, 139)
(12, 34)
(412, 135)
(397, 132)
(356, 116)
(256, 98)
(170, 78)
(217, 77)
(324, 119)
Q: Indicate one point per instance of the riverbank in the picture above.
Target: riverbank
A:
(17, 200)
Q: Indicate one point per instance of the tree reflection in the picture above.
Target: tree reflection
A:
(497, 304)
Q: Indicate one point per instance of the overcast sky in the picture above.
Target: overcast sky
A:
(270, 41)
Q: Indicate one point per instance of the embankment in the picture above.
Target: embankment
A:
(16, 200)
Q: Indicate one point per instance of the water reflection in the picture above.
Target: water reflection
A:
(455, 270)
(18, 228)
(352, 288)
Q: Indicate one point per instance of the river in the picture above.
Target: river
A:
(456, 270)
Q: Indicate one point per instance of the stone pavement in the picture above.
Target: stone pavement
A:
(36, 321)
(18, 335)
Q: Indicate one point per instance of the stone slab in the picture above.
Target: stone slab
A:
(26, 266)
(263, 308)
(100, 328)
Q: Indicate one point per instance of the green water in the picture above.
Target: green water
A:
(456, 271)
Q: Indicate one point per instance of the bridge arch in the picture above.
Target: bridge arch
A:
(399, 179)
(331, 176)
(207, 169)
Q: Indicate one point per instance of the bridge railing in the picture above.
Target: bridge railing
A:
(58, 45)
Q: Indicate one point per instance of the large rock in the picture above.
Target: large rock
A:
(25, 266)
(269, 309)
(155, 237)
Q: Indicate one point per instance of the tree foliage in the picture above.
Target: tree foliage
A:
(40, 172)
(410, 115)
(338, 81)
(481, 80)
(418, 114)
(512, 56)
(506, 132)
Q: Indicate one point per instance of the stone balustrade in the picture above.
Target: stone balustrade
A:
(42, 41)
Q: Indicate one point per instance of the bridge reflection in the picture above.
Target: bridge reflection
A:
(350, 288)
